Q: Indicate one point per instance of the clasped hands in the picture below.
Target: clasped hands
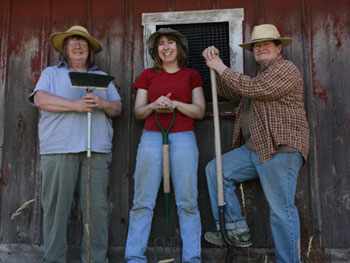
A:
(89, 102)
(164, 102)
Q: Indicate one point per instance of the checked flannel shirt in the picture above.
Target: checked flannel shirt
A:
(277, 114)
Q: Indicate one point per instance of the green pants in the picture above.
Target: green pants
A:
(62, 174)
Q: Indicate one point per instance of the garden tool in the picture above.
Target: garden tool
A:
(221, 202)
(90, 82)
(166, 186)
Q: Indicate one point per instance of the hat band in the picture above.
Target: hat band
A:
(79, 31)
(262, 39)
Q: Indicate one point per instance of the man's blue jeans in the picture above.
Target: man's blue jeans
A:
(278, 177)
(148, 176)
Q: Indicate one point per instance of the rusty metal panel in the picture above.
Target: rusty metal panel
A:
(321, 38)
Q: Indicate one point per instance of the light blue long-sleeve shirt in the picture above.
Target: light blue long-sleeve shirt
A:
(66, 132)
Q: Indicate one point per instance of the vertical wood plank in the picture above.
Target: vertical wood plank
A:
(6, 14)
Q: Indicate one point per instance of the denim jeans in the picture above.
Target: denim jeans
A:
(62, 174)
(278, 177)
(183, 155)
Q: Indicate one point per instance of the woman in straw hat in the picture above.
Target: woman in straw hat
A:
(270, 141)
(62, 135)
(169, 85)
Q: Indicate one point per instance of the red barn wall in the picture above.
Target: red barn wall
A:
(321, 39)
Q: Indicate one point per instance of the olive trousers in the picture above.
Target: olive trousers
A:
(62, 175)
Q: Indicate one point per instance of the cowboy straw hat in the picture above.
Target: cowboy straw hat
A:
(57, 39)
(263, 33)
(166, 31)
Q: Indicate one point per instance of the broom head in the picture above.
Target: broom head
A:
(84, 80)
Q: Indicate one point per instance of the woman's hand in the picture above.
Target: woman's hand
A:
(93, 101)
(111, 108)
(163, 102)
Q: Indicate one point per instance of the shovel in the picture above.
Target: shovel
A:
(90, 82)
(221, 202)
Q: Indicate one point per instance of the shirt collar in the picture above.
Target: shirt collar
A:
(268, 64)
(63, 64)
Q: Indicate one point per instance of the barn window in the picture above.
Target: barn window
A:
(221, 28)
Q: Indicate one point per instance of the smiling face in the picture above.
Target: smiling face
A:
(167, 50)
(266, 51)
(77, 49)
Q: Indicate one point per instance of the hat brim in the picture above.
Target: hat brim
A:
(57, 39)
(285, 41)
(152, 39)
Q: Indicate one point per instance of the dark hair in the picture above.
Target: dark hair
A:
(64, 57)
(182, 58)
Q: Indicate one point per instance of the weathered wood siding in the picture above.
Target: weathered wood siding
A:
(321, 40)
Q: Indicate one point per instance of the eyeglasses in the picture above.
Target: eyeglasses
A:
(75, 43)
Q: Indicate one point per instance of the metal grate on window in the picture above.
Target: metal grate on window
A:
(199, 37)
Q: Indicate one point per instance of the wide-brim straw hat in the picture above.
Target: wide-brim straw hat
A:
(166, 31)
(57, 39)
(265, 32)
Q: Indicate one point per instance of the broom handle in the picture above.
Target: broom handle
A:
(88, 186)
(221, 201)
(89, 135)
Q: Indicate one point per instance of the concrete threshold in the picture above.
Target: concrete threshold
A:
(21, 253)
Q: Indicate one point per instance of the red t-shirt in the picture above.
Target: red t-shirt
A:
(180, 84)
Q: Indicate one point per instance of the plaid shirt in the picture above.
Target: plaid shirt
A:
(277, 114)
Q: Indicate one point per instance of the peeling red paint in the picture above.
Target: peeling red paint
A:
(313, 72)
(336, 28)
(338, 32)
(322, 94)
(318, 91)
(20, 124)
(103, 31)
(16, 45)
(5, 175)
(35, 69)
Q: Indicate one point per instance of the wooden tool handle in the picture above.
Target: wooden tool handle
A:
(166, 170)
(221, 201)
(165, 110)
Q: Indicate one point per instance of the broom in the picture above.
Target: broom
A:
(90, 82)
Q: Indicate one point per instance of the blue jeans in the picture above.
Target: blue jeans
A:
(278, 177)
(147, 178)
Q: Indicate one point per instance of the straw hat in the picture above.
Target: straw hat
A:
(57, 39)
(166, 31)
(263, 33)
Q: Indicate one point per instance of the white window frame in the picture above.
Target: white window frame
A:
(234, 17)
